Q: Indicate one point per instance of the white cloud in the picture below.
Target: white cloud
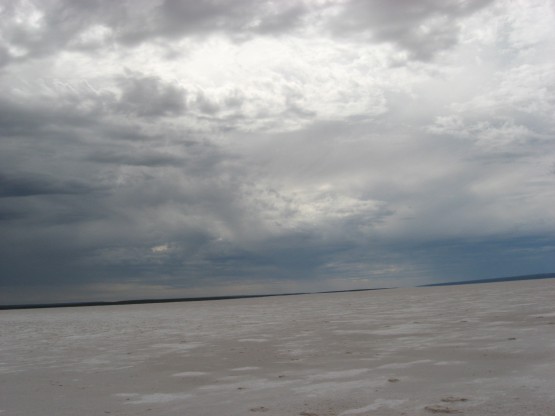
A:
(162, 248)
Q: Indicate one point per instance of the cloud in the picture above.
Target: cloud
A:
(19, 186)
(421, 29)
(178, 17)
(37, 29)
(214, 147)
(149, 96)
(138, 158)
(34, 29)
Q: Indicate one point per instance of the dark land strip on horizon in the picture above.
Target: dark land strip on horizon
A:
(207, 298)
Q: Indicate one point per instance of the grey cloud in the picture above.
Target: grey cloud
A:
(55, 25)
(276, 20)
(422, 28)
(176, 18)
(52, 115)
(28, 185)
(149, 96)
(4, 56)
(63, 24)
(206, 105)
(186, 155)
(19, 118)
(153, 159)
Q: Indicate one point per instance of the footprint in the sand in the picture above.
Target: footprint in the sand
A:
(454, 399)
(441, 409)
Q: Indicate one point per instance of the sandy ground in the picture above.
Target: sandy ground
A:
(475, 350)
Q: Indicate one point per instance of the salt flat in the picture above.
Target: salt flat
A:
(475, 350)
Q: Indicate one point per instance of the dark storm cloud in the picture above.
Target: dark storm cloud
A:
(19, 186)
(19, 118)
(9, 214)
(134, 193)
(56, 116)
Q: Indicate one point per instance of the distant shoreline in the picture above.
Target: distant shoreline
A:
(494, 280)
(208, 298)
(165, 300)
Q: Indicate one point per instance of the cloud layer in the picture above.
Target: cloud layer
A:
(181, 148)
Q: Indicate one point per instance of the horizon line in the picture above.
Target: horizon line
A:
(229, 297)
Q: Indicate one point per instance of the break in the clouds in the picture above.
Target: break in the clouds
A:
(182, 148)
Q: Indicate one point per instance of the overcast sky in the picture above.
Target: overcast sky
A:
(169, 148)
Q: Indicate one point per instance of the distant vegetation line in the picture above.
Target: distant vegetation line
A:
(198, 299)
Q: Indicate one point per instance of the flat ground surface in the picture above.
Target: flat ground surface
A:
(484, 349)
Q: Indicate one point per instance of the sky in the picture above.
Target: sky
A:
(172, 148)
